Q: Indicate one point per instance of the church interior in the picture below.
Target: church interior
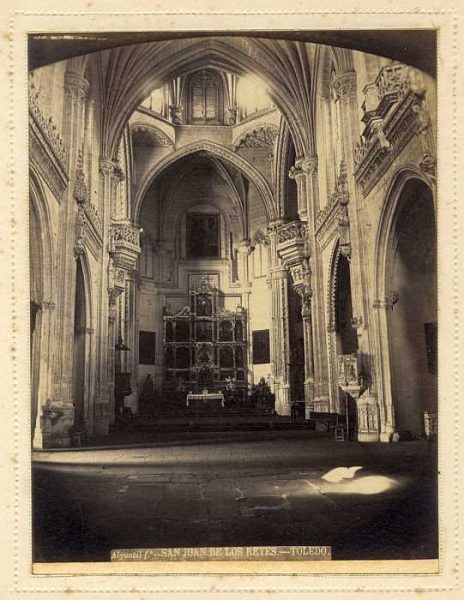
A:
(232, 231)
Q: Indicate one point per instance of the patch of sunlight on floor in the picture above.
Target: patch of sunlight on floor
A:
(345, 480)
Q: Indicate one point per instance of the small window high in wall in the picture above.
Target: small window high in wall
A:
(205, 98)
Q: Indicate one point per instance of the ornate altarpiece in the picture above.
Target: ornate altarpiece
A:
(205, 345)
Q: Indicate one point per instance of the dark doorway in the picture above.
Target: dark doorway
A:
(411, 286)
(79, 347)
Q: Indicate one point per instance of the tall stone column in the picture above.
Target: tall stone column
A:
(280, 331)
(76, 88)
(292, 247)
(243, 252)
(304, 290)
(351, 225)
(305, 174)
(309, 169)
(351, 229)
(105, 353)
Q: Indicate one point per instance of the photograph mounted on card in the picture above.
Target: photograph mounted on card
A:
(233, 300)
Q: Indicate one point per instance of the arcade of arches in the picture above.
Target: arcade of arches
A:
(233, 223)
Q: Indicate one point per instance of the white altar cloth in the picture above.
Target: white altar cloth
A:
(205, 398)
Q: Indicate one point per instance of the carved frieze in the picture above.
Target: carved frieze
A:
(260, 137)
(294, 232)
(46, 161)
(47, 128)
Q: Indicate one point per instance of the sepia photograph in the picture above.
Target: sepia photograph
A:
(233, 295)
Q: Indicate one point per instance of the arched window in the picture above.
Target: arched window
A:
(205, 98)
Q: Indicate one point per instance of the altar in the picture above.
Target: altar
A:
(205, 400)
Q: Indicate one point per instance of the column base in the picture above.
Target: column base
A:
(368, 418)
(282, 405)
(321, 404)
(368, 437)
(55, 428)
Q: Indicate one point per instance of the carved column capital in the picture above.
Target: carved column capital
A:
(309, 165)
(345, 86)
(274, 225)
(48, 305)
(176, 114)
(76, 85)
(106, 166)
(244, 247)
(231, 115)
(295, 171)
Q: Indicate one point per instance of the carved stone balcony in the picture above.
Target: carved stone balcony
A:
(291, 242)
(393, 109)
(125, 245)
(293, 251)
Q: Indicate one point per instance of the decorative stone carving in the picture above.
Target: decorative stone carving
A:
(46, 162)
(295, 171)
(47, 128)
(93, 217)
(295, 231)
(348, 378)
(125, 245)
(231, 115)
(309, 165)
(345, 86)
(76, 85)
(260, 137)
(148, 135)
(260, 238)
(106, 166)
(336, 212)
(79, 232)
(176, 113)
(80, 187)
(394, 111)
(368, 417)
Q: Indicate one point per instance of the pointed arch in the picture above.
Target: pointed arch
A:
(150, 65)
(215, 150)
(384, 245)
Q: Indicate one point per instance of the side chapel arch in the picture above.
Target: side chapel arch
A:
(387, 299)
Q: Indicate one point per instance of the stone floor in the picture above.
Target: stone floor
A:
(245, 489)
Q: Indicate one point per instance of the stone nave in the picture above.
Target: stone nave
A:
(232, 224)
